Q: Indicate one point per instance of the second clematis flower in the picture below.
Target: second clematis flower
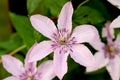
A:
(28, 71)
(108, 54)
(62, 41)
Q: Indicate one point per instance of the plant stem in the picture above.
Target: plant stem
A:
(84, 2)
(15, 51)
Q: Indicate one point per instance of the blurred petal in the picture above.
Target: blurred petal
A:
(43, 24)
(11, 78)
(115, 3)
(85, 33)
(12, 65)
(107, 29)
(45, 71)
(116, 22)
(65, 17)
(101, 61)
(30, 66)
(114, 68)
(60, 63)
(104, 32)
(98, 45)
(40, 51)
(82, 55)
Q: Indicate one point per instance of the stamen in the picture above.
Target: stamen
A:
(29, 78)
(62, 41)
(111, 49)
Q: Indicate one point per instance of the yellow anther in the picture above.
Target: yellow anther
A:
(29, 78)
(111, 49)
(62, 41)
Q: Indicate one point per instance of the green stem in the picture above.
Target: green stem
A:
(15, 51)
(84, 2)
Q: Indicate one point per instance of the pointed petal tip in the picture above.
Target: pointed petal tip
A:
(60, 63)
(39, 21)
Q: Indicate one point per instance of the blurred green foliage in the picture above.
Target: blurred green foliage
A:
(5, 30)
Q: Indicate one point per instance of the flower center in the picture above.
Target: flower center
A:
(29, 78)
(110, 51)
(62, 41)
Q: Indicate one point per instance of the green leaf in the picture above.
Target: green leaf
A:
(32, 5)
(3, 73)
(14, 42)
(99, 6)
(24, 28)
(45, 7)
(84, 15)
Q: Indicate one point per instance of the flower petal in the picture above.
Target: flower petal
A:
(65, 17)
(44, 25)
(40, 51)
(60, 63)
(98, 45)
(13, 65)
(30, 66)
(107, 31)
(45, 71)
(114, 68)
(11, 78)
(82, 55)
(115, 3)
(85, 33)
(101, 61)
(115, 23)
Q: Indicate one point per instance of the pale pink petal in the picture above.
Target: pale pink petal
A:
(101, 61)
(11, 78)
(30, 66)
(60, 63)
(98, 45)
(107, 29)
(114, 68)
(43, 24)
(45, 71)
(40, 51)
(65, 17)
(12, 65)
(115, 3)
(82, 55)
(104, 32)
(115, 23)
(85, 33)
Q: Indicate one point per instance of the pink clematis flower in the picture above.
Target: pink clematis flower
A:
(108, 55)
(62, 41)
(28, 71)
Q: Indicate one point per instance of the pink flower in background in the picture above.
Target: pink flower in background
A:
(108, 54)
(28, 71)
(62, 41)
